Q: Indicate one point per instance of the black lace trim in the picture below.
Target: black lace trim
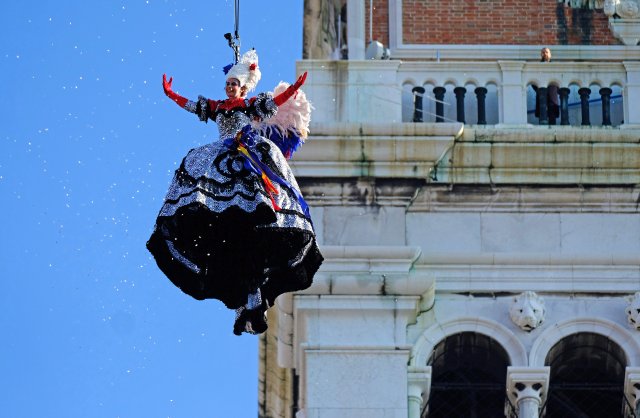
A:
(216, 196)
(264, 106)
(202, 109)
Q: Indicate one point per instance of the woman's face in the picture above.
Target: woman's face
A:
(232, 88)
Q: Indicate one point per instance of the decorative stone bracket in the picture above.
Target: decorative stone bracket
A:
(633, 311)
(627, 30)
(527, 389)
(624, 16)
(632, 387)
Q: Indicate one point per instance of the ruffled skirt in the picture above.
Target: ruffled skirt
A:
(223, 232)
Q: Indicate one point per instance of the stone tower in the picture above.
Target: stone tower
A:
(482, 254)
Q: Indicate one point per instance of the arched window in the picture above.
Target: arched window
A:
(468, 378)
(587, 378)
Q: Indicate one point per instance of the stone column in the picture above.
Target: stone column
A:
(513, 94)
(460, 92)
(527, 389)
(631, 97)
(439, 93)
(541, 97)
(419, 389)
(605, 95)
(584, 105)
(564, 105)
(355, 29)
(418, 94)
(481, 94)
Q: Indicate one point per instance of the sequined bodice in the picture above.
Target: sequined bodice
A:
(231, 116)
(229, 123)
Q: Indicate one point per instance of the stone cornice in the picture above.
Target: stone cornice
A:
(529, 198)
(369, 270)
(445, 154)
(539, 272)
(350, 129)
(374, 150)
(372, 270)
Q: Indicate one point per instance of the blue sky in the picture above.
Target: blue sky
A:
(90, 326)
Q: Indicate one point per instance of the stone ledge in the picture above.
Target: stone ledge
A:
(449, 153)
(529, 259)
(552, 134)
(487, 198)
(369, 270)
(539, 176)
(386, 129)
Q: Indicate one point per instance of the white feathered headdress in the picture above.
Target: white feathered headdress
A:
(246, 70)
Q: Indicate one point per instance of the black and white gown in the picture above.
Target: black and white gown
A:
(223, 232)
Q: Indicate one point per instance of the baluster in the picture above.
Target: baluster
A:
(552, 103)
(439, 93)
(481, 94)
(605, 94)
(460, 92)
(584, 105)
(543, 116)
(564, 105)
(418, 93)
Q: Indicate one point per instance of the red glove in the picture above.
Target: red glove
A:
(166, 85)
(290, 91)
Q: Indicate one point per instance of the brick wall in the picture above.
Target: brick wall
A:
(380, 21)
(510, 22)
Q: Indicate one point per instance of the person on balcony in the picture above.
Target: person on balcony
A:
(553, 105)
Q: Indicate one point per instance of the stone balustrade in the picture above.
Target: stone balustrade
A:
(481, 92)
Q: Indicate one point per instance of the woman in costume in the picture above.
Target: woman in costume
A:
(234, 225)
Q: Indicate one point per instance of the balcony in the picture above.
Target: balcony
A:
(593, 93)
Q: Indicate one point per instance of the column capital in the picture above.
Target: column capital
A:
(527, 383)
(632, 386)
(419, 388)
(419, 377)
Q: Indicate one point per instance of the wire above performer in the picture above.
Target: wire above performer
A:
(234, 41)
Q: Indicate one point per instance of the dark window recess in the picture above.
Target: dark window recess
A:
(587, 378)
(468, 378)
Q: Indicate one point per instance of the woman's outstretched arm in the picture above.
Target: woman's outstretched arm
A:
(166, 85)
(290, 91)
(203, 107)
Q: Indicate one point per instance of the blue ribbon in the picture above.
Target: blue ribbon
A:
(248, 138)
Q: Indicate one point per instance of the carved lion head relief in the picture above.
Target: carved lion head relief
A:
(527, 310)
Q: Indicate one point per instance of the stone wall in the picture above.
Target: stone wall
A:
(431, 230)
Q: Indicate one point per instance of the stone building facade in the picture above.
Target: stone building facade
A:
(476, 265)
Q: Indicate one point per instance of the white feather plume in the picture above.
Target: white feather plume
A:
(294, 113)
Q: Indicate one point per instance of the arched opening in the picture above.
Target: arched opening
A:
(468, 377)
(587, 377)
